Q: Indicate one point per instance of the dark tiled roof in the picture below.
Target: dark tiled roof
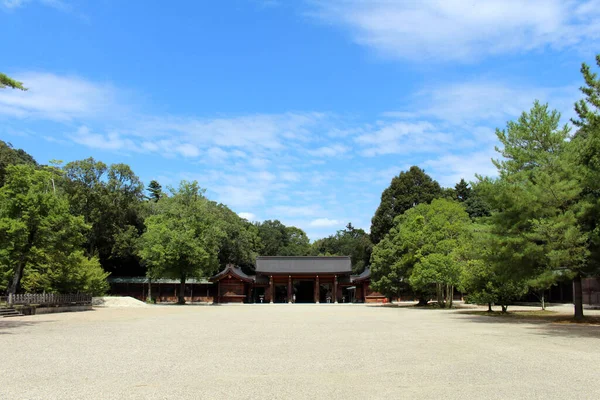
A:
(303, 265)
(366, 274)
(236, 271)
(143, 279)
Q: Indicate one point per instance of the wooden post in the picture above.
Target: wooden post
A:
(218, 291)
(335, 287)
(289, 289)
(271, 294)
(317, 290)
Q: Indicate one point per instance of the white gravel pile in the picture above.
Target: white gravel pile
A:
(125, 301)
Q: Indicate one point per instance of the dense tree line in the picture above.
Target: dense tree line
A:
(532, 226)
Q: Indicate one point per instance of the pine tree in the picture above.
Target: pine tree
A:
(6, 81)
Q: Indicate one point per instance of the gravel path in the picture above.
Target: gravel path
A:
(293, 352)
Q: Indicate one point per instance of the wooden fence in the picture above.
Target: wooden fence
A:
(50, 299)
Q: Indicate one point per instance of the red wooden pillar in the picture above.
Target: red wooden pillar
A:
(317, 290)
(289, 289)
(335, 287)
(271, 294)
(218, 291)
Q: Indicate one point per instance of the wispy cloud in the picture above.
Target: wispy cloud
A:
(324, 222)
(59, 98)
(459, 30)
(247, 216)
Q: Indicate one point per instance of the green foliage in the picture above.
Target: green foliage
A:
(110, 199)
(588, 108)
(351, 241)
(279, 240)
(241, 242)
(421, 250)
(183, 237)
(12, 156)
(406, 190)
(154, 191)
(471, 200)
(6, 81)
(40, 239)
(534, 225)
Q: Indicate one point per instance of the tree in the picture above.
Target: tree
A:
(240, 244)
(155, 191)
(406, 190)
(6, 81)
(534, 200)
(183, 237)
(11, 156)
(279, 240)
(353, 242)
(40, 239)
(471, 200)
(420, 250)
(110, 199)
(586, 158)
(486, 281)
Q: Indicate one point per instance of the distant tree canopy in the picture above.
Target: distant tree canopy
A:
(353, 242)
(279, 240)
(11, 156)
(406, 190)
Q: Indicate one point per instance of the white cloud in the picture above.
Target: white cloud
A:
(110, 141)
(59, 98)
(187, 150)
(247, 216)
(487, 100)
(295, 211)
(449, 169)
(462, 30)
(324, 222)
(329, 151)
(402, 137)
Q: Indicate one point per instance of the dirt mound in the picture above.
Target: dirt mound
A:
(125, 301)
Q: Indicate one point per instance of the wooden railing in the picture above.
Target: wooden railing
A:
(50, 299)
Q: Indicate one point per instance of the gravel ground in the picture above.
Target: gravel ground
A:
(293, 352)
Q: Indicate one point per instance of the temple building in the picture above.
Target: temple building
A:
(295, 280)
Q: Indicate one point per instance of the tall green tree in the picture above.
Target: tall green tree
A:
(7, 81)
(406, 190)
(183, 237)
(39, 239)
(534, 200)
(154, 190)
(110, 199)
(420, 250)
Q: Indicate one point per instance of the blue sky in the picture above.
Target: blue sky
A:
(301, 111)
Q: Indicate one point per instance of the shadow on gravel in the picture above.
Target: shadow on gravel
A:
(12, 325)
(546, 323)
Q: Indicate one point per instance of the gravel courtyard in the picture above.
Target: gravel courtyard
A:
(293, 352)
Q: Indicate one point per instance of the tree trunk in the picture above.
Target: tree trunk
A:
(543, 302)
(149, 298)
(578, 297)
(14, 285)
(504, 308)
(422, 301)
(440, 294)
(181, 297)
(449, 295)
(490, 307)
